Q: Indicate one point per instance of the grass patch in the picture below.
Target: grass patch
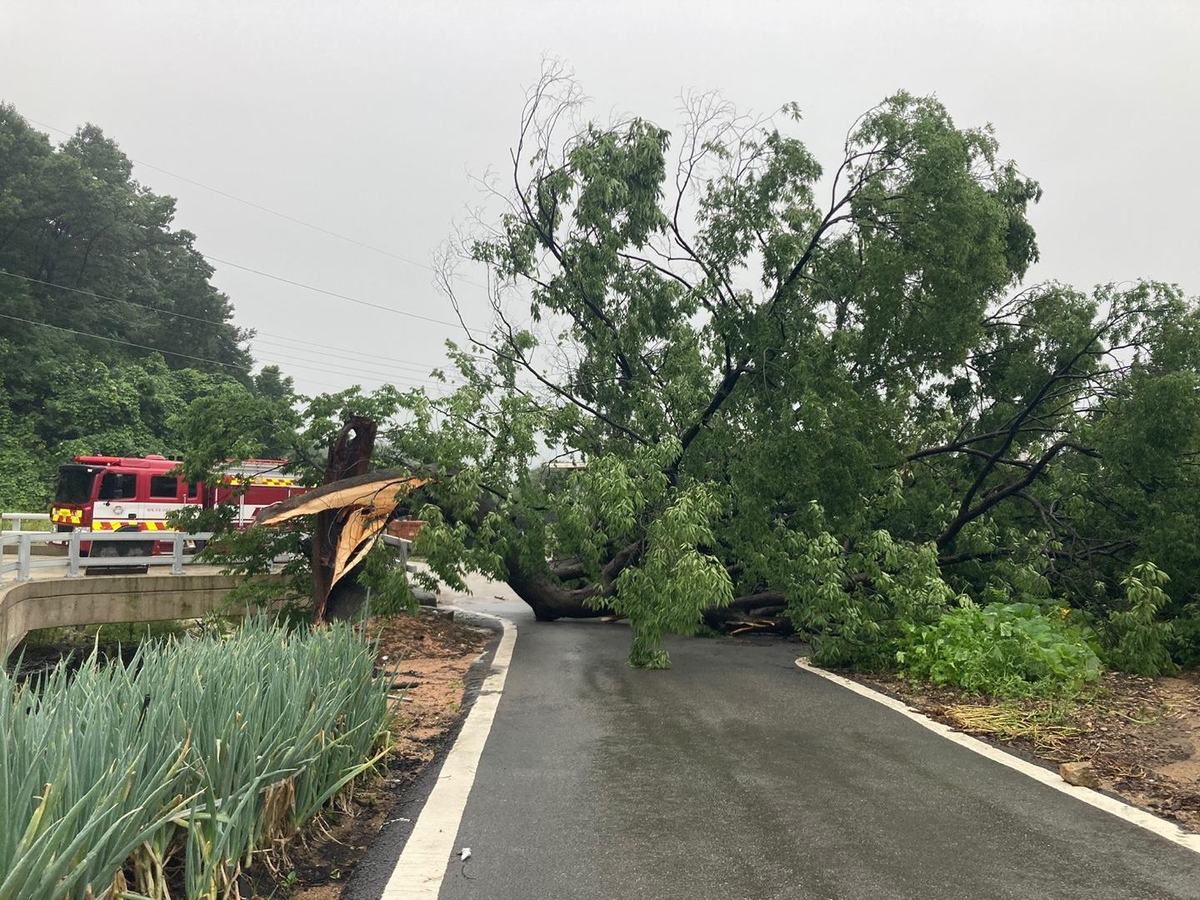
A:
(1046, 725)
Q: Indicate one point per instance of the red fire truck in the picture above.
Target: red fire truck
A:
(122, 493)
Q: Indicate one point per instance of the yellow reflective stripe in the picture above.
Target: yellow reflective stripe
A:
(113, 525)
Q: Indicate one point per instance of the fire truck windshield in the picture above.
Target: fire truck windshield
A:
(74, 484)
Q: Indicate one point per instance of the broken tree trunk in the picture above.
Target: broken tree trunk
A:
(350, 455)
(355, 511)
(350, 511)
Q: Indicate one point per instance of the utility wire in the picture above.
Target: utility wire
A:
(352, 354)
(297, 221)
(273, 212)
(317, 290)
(387, 374)
(379, 376)
(269, 211)
(100, 337)
(347, 356)
(212, 362)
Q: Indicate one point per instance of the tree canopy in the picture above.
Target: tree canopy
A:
(791, 394)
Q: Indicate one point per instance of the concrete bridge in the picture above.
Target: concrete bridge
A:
(46, 583)
(107, 599)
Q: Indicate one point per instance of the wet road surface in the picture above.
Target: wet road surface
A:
(737, 775)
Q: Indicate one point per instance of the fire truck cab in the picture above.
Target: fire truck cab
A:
(114, 493)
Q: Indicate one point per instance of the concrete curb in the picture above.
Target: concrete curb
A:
(422, 864)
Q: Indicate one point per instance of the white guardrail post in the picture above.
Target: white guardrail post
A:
(73, 540)
(177, 554)
(402, 545)
(24, 552)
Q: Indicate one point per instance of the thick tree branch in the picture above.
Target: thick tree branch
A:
(1002, 492)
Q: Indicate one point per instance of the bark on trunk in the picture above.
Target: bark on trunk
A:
(550, 600)
(350, 455)
(760, 613)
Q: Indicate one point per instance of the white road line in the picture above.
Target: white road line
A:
(422, 864)
(1142, 819)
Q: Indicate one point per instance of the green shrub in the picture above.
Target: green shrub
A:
(381, 573)
(1006, 650)
(854, 606)
(1138, 639)
(1185, 637)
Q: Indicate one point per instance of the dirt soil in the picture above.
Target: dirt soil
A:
(430, 657)
(1141, 735)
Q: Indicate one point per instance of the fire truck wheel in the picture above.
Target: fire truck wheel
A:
(112, 549)
(134, 548)
(105, 549)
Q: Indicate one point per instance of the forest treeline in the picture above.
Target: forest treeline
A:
(110, 326)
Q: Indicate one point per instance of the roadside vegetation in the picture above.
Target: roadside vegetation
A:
(109, 325)
(166, 775)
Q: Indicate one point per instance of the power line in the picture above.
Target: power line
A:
(273, 212)
(209, 322)
(372, 373)
(317, 290)
(297, 221)
(354, 354)
(260, 207)
(213, 362)
(348, 356)
(379, 376)
(100, 337)
(205, 322)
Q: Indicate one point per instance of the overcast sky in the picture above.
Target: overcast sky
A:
(370, 120)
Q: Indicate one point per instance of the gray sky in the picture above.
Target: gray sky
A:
(370, 119)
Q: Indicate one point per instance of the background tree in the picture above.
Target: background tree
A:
(110, 324)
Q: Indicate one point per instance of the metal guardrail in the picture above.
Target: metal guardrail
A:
(17, 558)
(22, 518)
(401, 544)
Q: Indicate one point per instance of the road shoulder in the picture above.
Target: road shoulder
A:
(1046, 776)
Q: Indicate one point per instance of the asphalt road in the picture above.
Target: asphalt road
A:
(737, 775)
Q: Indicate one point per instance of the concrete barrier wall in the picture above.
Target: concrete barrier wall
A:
(54, 603)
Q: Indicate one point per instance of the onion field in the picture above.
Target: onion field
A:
(162, 777)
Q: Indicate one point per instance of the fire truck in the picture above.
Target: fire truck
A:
(122, 493)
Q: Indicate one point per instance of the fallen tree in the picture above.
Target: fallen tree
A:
(782, 399)
(725, 388)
